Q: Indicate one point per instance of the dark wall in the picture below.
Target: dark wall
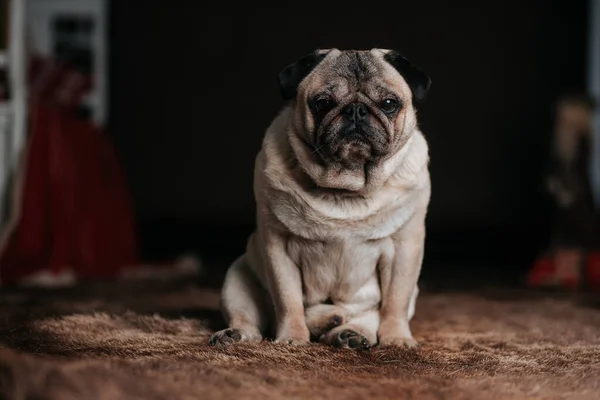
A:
(193, 91)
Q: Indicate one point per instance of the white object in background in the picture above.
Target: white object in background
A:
(3, 59)
(5, 125)
(31, 22)
(17, 62)
(13, 121)
(594, 89)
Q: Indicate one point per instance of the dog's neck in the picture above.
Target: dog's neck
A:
(279, 170)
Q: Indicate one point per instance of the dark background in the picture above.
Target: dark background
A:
(193, 88)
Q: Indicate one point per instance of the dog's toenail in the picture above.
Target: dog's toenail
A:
(234, 334)
(347, 334)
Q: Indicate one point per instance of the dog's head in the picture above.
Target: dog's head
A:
(353, 109)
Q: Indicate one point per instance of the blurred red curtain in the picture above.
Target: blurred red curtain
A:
(73, 210)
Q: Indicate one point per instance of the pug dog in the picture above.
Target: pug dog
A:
(342, 189)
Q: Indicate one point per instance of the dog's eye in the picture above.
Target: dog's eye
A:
(322, 104)
(389, 105)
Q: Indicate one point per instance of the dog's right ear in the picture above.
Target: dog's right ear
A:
(418, 81)
(291, 76)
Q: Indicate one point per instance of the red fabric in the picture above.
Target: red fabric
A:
(546, 271)
(593, 271)
(74, 209)
(542, 272)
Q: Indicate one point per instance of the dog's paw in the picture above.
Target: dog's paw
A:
(233, 335)
(396, 332)
(296, 340)
(225, 336)
(403, 342)
(293, 341)
(293, 332)
(350, 339)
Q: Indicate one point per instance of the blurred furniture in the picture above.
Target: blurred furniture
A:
(13, 109)
(594, 89)
(572, 259)
(70, 216)
(71, 31)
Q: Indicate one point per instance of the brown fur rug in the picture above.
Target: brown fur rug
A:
(150, 342)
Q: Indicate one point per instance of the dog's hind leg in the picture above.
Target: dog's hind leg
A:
(245, 306)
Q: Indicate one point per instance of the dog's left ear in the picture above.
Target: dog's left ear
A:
(418, 81)
(291, 76)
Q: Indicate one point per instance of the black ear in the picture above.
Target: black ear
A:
(417, 80)
(291, 76)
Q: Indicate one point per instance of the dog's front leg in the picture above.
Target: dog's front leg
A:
(398, 280)
(285, 286)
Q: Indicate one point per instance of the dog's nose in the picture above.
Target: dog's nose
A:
(356, 112)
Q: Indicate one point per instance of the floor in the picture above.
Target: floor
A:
(150, 341)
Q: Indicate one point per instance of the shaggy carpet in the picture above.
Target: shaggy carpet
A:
(132, 341)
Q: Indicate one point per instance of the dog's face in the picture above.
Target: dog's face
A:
(353, 108)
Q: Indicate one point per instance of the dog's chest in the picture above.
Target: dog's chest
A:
(344, 271)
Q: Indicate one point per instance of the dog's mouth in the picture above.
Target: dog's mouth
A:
(352, 147)
(351, 150)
